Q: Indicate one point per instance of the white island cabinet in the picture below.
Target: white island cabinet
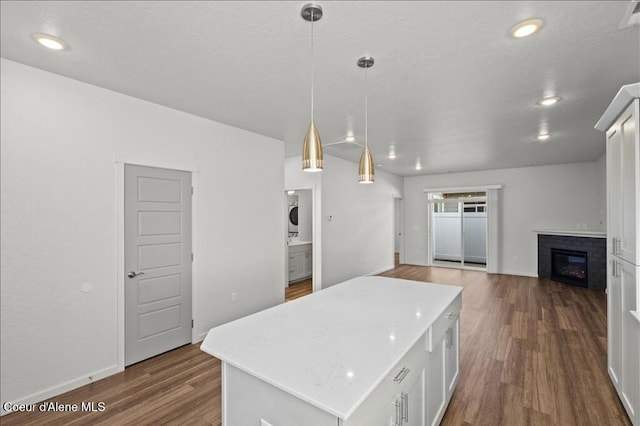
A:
(370, 351)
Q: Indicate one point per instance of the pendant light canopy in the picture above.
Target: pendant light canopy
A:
(312, 148)
(366, 173)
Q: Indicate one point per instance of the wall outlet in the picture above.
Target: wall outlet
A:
(234, 297)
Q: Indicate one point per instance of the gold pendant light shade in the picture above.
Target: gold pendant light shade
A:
(312, 150)
(366, 173)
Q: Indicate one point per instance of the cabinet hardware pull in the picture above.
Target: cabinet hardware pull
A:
(405, 406)
(451, 315)
(401, 375)
(397, 421)
(617, 246)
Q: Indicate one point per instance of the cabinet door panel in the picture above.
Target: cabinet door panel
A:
(435, 384)
(308, 261)
(452, 356)
(388, 415)
(614, 189)
(630, 375)
(614, 321)
(415, 401)
(296, 265)
(629, 164)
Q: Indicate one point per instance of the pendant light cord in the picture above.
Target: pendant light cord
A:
(366, 110)
(312, 65)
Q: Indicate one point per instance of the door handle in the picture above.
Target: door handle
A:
(133, 274)
(405, 406)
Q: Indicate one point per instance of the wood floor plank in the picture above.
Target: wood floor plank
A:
(298, 289)
(532, 352)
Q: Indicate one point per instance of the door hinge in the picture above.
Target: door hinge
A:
(192, 190)
(192, 257)
(191, 323)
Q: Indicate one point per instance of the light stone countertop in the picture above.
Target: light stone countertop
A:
(333, 347)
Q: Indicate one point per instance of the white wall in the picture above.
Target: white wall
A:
(60, 142)
(305, 216)
(359, 239)
(601, 189)
(547, 197)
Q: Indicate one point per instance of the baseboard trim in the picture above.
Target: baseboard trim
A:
(200, 337)
(379, 271)
(63, 387)
(518, 274)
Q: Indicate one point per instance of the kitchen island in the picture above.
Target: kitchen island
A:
(369, 351)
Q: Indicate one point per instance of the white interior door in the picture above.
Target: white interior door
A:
(157, 228)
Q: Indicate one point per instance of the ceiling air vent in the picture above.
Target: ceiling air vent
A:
(631, 16)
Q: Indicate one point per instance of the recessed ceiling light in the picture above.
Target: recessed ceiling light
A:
(379, 165)
(350, 138)
(50, 42)
(543, 136)
(526, 28)
(392, 153)
(418, 165)
(549, 100)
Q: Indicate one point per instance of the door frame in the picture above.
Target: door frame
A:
(120, 246)
(316, 236)
(493, 221)
(400, 220)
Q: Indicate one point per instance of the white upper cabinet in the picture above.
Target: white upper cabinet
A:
(620, 121)
(623, 183)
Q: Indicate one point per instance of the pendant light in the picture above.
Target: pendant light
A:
(312, 147)
(366, 173)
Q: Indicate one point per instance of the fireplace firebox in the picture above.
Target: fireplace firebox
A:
(569, 267)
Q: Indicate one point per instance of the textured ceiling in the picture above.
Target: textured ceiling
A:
(450, 86)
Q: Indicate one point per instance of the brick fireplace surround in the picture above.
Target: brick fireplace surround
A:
(594, 244)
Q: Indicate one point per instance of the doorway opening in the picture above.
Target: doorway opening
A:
(398, 231)
(458, 229)
(299, 243)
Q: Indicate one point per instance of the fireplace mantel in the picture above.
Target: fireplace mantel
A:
(572, 233)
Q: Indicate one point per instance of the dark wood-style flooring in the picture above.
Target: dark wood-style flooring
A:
(533, 352)
(298, 289)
